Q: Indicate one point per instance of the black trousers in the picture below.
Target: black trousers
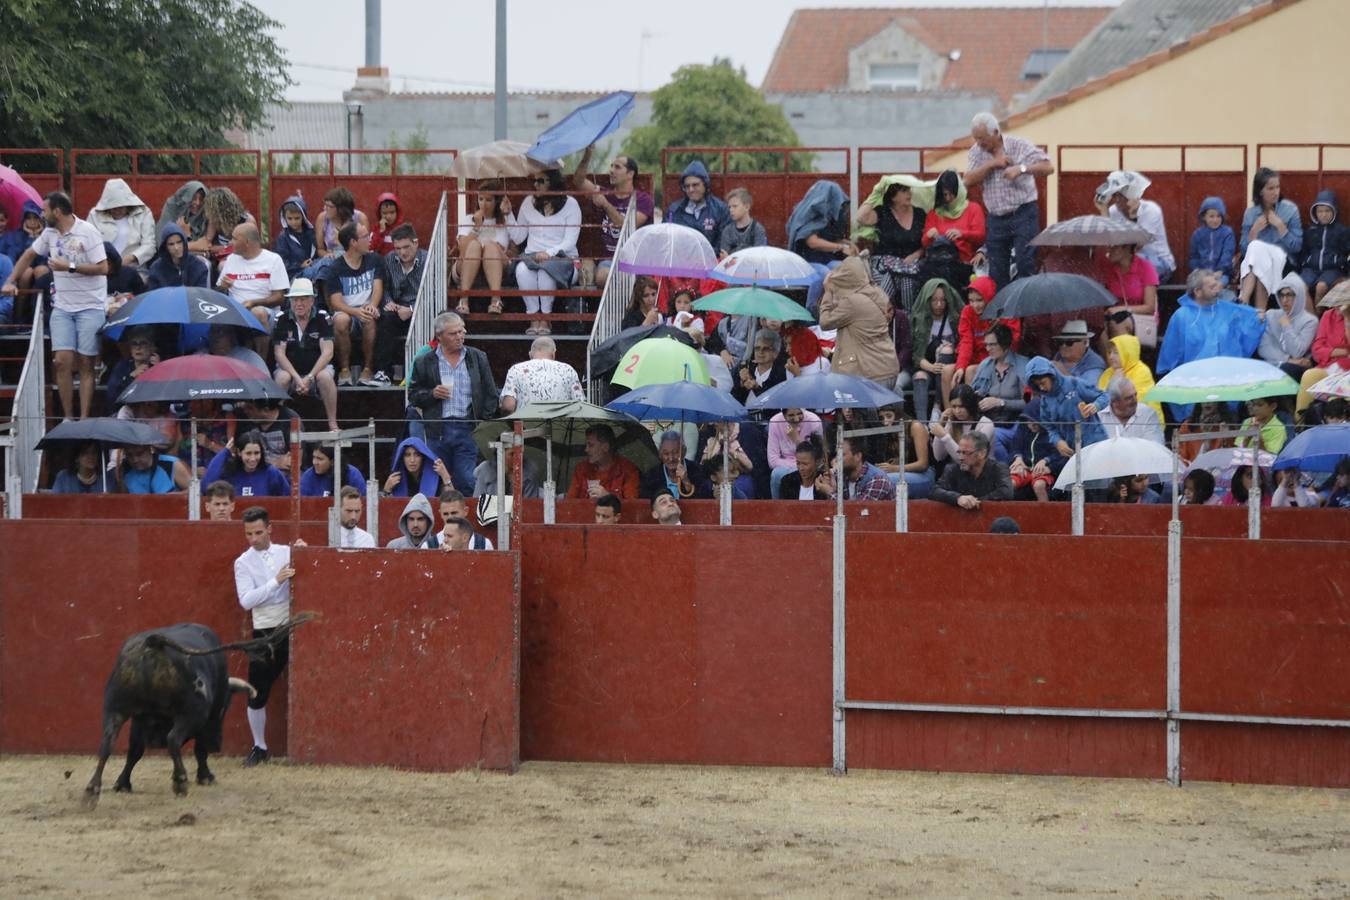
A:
(265, 669)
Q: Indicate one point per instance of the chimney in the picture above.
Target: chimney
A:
(372, 78)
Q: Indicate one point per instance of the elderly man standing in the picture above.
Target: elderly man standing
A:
(449, 391)
(1007, 167)
(976, 479)
(1125, 417)
(540, 378)
(256, 277)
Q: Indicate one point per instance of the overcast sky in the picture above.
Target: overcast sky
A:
(434, 45)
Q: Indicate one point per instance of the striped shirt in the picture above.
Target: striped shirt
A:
(461, 390)
(1002, 196)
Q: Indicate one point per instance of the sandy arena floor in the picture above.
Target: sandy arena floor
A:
(589, 830)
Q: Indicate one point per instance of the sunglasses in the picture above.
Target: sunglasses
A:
(540, 180)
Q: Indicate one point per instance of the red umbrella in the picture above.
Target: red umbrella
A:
(13, 192)
(201, 377)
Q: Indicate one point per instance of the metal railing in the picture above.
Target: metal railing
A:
(609, 314)
(431, 293)
(30, 408)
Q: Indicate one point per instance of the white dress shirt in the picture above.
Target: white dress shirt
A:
(1143, 424)
(255, 581)
(355, 539)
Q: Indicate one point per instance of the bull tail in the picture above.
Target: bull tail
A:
(239, 684)
(254, 647)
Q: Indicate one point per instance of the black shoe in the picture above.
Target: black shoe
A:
(256, 756)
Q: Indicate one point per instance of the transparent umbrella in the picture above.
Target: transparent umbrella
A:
(667, 249)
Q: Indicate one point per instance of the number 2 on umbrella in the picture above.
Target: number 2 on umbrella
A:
(632, 363)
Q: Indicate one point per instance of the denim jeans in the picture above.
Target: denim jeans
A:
(452, 441)
(1009, 237)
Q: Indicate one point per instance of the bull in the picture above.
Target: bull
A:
(173, 685)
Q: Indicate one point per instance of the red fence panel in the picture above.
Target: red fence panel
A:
(431, 676)
(921, 162)
(1306, 169)
(142, 171)
(43, 169)
(775, 192)
(319, 171)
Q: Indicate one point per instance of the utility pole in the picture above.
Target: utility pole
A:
(499, 105)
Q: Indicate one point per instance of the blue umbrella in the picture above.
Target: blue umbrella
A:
(1316, 450)
(582, 127)
(825, 391)
(181, 306)
(687, 401)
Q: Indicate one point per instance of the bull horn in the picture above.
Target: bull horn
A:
(239, 684)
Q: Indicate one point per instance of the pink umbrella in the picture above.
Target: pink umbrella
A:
(13, 192)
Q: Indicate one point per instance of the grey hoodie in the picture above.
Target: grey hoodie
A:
(1280, 344)
(417, 503)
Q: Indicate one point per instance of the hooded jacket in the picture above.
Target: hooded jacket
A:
(295, 247)
(857, 308)
(1213, 248)
(822, 211)
(431, 541)
(140, 238)
(972, 327)
(1059, 405)
(429, 483)
(712, 218)
(380, 242)
(190, 271)
(1127, 348)
(16, 240)
(1325, 246)
(1281, 343)
(1292, 241)
(1034, 446)
(178, 206)
(921, 317)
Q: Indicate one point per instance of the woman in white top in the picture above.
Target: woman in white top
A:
(483, 241)
(548, 225)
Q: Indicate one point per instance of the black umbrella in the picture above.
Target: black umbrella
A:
(1047, 293)
(606, 355)
(124, 432)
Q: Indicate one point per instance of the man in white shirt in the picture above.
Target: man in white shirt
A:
(256, 277)
(352, 536)
(540, 378)
(79, 264)
(1125, 417)
(262, 580)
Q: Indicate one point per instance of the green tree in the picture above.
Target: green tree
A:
(714, 106)
(136, 73)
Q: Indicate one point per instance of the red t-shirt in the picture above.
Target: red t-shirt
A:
(620, 479)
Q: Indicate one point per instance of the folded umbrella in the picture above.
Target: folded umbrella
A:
(1091, 231)
(1115, 457)
(1318, 449)
(1047, 293)
(753, 301)
(686, 401)
(499, 159)
(667, 249)
(181, 306)
(1221, 378)
(660, 361)
(583, 126)
(606, 355)
(201, 376)
(107, 430)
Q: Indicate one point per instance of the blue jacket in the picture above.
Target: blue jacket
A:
(822, 206)
(1034, 446)
(16, 240)
(1291, 243)
(313, 484)
(429, 484)
(294, 247)
(1058, 409)
(712, 218)
(1213, 248)
(163, 272)
(265, 481)
(1325, 246)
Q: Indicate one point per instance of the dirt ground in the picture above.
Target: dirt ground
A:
(552, 829)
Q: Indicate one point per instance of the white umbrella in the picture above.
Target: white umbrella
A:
(1337, 384)
(499, 159)
(1115, 457)
(667, 249)
(765, 267)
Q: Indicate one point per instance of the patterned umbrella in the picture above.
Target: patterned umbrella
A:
(1221, 378)
(1091, 231)
(1336, 296)
(765, 267)
(1337, 384)
(499, 159)
(667, 249)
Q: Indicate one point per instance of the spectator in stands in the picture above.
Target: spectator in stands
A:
(728, 471)
(862, 480)
(665, 510)
(1330, 350)
(243, 466)
(962, 416)
(388, 216)
(303, 338)
(683, 316)
(898, 246)
(802, 481)
(1213, 244)
(339, 210)
(356, 282)
(295, 242)
(38, 276)
(972, 327)
(416, 470)
(218, 498)
(603, 471)
(351, 536)
(608, 509)
(910, 459)
(1125, 416)
(186, 208)
(860, 312)
(1197, 488)
(642, 305)
(548, 227)
(1073, 354)
(1261, 415)
(676, 473)
(454, 508)
(613, 204)
(1132, 280)
(85, 474)
(1338, 496)
(1001, 382)
(141, 356)
(403, 270)
(317, 479)
(787, 429)
(1242, 485)
(1007, 168)
(976, 479)
(458, 534)
(742, 230)
(540, 379)
(1289, 491)
(933, 319)
(698, 208)
(1121, 198)
(16, 237)
(1272, 233)
(1133, 489)
(745, 449)
(79, 265)
(1065, 401)
(764, 370)
(125, 222)
(224, 213)
(266, 417)
(954, 217)
(1035, 463)
(124, 282)
(173, 265)
(223, 340)
(6, 302)
(1325, 245)
(415, 527)
(1203, 327)
(256, 277)
(143, 471)
(1289, 332)
(817, 231)
(484, 245)
(1122, 358)
(449, 391)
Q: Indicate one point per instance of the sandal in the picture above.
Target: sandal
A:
(495, 307)
(462, 307)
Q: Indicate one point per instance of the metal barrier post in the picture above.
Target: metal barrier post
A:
(29, 410)
(1254, 500)
(194, 492)
(724, 491)
(1077, 492)
(550, 487)
(837, 595)
(1173, 651)
(335, 511)
(372, 490)
(503, 523)
(901, 486)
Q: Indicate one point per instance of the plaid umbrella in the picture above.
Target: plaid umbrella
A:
(1091, 231)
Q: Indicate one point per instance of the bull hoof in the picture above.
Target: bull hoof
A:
(91, 794)
(180, 788)
(122, 787)
(205, 778)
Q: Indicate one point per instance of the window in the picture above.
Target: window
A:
(1041, 62)
(893, 76)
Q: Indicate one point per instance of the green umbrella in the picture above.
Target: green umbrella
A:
(660, 361)
(753, 301)
(1221, 378)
